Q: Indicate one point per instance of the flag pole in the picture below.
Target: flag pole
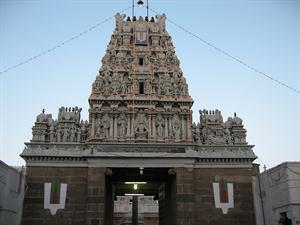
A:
(132, 9)
(148, 8)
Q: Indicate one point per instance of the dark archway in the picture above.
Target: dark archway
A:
(159, 182)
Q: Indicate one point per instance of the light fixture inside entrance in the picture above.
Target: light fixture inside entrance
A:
(141, 170)
(135, 182)
(134, 194)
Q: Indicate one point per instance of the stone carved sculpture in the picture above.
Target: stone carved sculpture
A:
(131, 77)
(119, 22)
(65, 129)
(160, 126)
(122, 126)
(213, 131)
(99, 129)
(44, 118)
(108, 82)
(103, 127)
(38, 135)
(210, 116)
(128, 73)
(141, 128)
(71, 114)
(161, 21)
(176, 127)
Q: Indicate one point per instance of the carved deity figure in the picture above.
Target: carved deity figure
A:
(119, 22)
(122, 126)
(202, 116)
(219, 116)
(115, 85)
(176, 127)
(175, 83)
(155, 28)
(102, 127)
(65, 135)
(161, 20)
(185, 89)
(169, 57)
(106, 125)
(167, 85)
(160, 124)
(148, 87)
(228, 136)
(83, 130)
(199, 138)
(141, 129)
(52, 133)
(59, 134)
(106, 82)
(72, 135)
(100, 132)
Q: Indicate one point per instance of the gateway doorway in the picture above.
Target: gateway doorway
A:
(140, 198)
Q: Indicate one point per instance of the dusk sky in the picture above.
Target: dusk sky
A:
(264, 34)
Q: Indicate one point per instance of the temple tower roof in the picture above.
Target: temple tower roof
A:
(140, 87)
(140, 95)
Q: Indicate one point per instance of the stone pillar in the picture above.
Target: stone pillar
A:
(128, 126)
(149, 126)
(115, 127)
(132, 126)
(135, 208)
(93, 126)
(111, 127)
(153, 127)
(185, 196)
(95, 197)
(166, 127)
(183, 128)
(189, 128)
(170, 127)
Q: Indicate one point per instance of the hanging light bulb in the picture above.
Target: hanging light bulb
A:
(141, 170)
(140, 2)
(135, 186)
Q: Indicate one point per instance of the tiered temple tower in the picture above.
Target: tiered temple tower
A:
(140, 94)
(140, 128)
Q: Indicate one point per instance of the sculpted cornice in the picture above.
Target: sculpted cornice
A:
(91, 154)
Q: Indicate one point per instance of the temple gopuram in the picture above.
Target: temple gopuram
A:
(139, 140)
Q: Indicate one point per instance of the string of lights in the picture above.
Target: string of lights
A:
(231, 56)
(61, 44)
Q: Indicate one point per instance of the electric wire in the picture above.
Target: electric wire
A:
(172, 22)
(231, 56)
(60, 44)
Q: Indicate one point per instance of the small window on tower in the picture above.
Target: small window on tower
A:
(141, 61)
(141, 88)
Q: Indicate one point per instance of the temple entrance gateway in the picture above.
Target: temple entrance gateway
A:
(154, 185)
(139, 139)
